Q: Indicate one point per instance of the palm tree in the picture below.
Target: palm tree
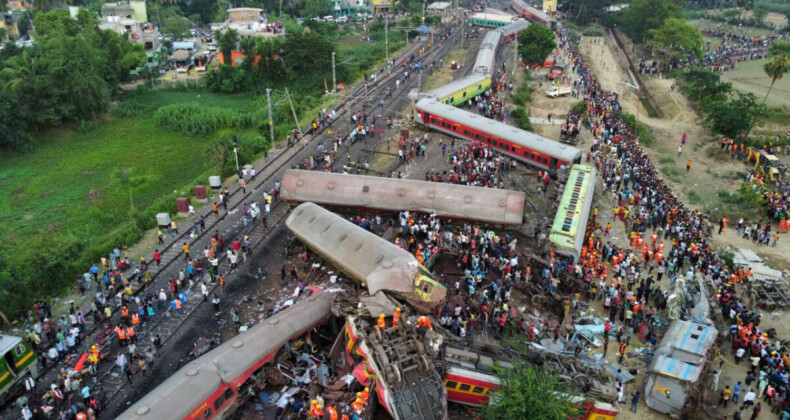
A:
(17, 73)
(779, 64)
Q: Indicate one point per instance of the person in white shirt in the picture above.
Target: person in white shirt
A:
(26, 413)
(748, 399)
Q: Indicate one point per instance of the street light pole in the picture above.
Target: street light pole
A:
(387, 39)
(236, 152)
(334, 79)
(271, 121)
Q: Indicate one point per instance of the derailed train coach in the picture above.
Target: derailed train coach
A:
(458, 202)
(366, 258)
(675, 376)
(211, 386)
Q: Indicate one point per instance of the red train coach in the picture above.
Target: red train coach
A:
(524, 146)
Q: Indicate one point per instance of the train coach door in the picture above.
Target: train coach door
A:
(553, 164)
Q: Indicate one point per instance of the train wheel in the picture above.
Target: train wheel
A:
(394, 376)
(423, 364)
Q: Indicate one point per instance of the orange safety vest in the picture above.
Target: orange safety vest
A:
(381, 323)
(332, 413)
(124, 311)
(130, 331)
(135, 319)
(121, 333)
(396, 319)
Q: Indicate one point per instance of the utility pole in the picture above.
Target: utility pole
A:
(293, 111)
(334, 80)
(236, 151)
(423, 11)
(387, 39)
(271, 121)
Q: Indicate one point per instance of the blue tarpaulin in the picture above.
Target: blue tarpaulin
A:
(423, 29)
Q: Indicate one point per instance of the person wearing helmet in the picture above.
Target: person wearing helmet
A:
(396, 318)
(382, 323)
(315, 410)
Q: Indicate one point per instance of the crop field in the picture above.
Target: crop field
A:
(750, 77)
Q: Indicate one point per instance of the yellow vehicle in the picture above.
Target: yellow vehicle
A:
(765, 164)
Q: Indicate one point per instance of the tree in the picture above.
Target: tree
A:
(676, 38)
(529, 392)
(643, 15)
(227, 43)
(760, 13)
(779, 64)
(313, 8)
(705, 86)
(584, 12)
(735, 116)
(176, 27)
(744, 5)
(535, 43)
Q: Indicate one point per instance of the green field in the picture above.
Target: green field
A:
(79, 181)
(749, 77)
(70, 199)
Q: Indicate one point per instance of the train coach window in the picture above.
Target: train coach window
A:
(206, 414)
(468, 133)
(479, 390)
(480, 137)
(504, 146)
(465, 387)
(450, 384)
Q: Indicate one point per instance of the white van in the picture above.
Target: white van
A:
(342, 19)
(329, 19)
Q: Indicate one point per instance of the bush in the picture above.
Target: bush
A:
(195, 120)
(579, 108)
(592, 31)
(132, 109)
(521, 118)
(523, 94)
(641, 131)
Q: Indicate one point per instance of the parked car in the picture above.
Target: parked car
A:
(342, 19)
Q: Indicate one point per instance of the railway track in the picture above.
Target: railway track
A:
(267, 173)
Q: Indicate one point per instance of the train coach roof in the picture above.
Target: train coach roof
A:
(362, 255)
(501, 207)
(514, 27)
(493, 17)
(200, 379)
(457, 85)
(500, 130)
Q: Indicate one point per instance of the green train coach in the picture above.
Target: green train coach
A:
(490, 20)
(18, 360)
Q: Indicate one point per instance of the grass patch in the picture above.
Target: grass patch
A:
(671, 173)
(645, 135)
(666, 160)
(523, 94)
(694, 197)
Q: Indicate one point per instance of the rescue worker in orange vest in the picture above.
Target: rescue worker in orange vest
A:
(345, 417)
(623, 347)
(315, 410)
(94, 354)
(381, 323)
(130, 332)
(81, 416)
(396, 318)
(125, 314)
(121, 333)
(365, 394)
(423, 321)
(357, 405)
(135, 319)
(332, 411)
